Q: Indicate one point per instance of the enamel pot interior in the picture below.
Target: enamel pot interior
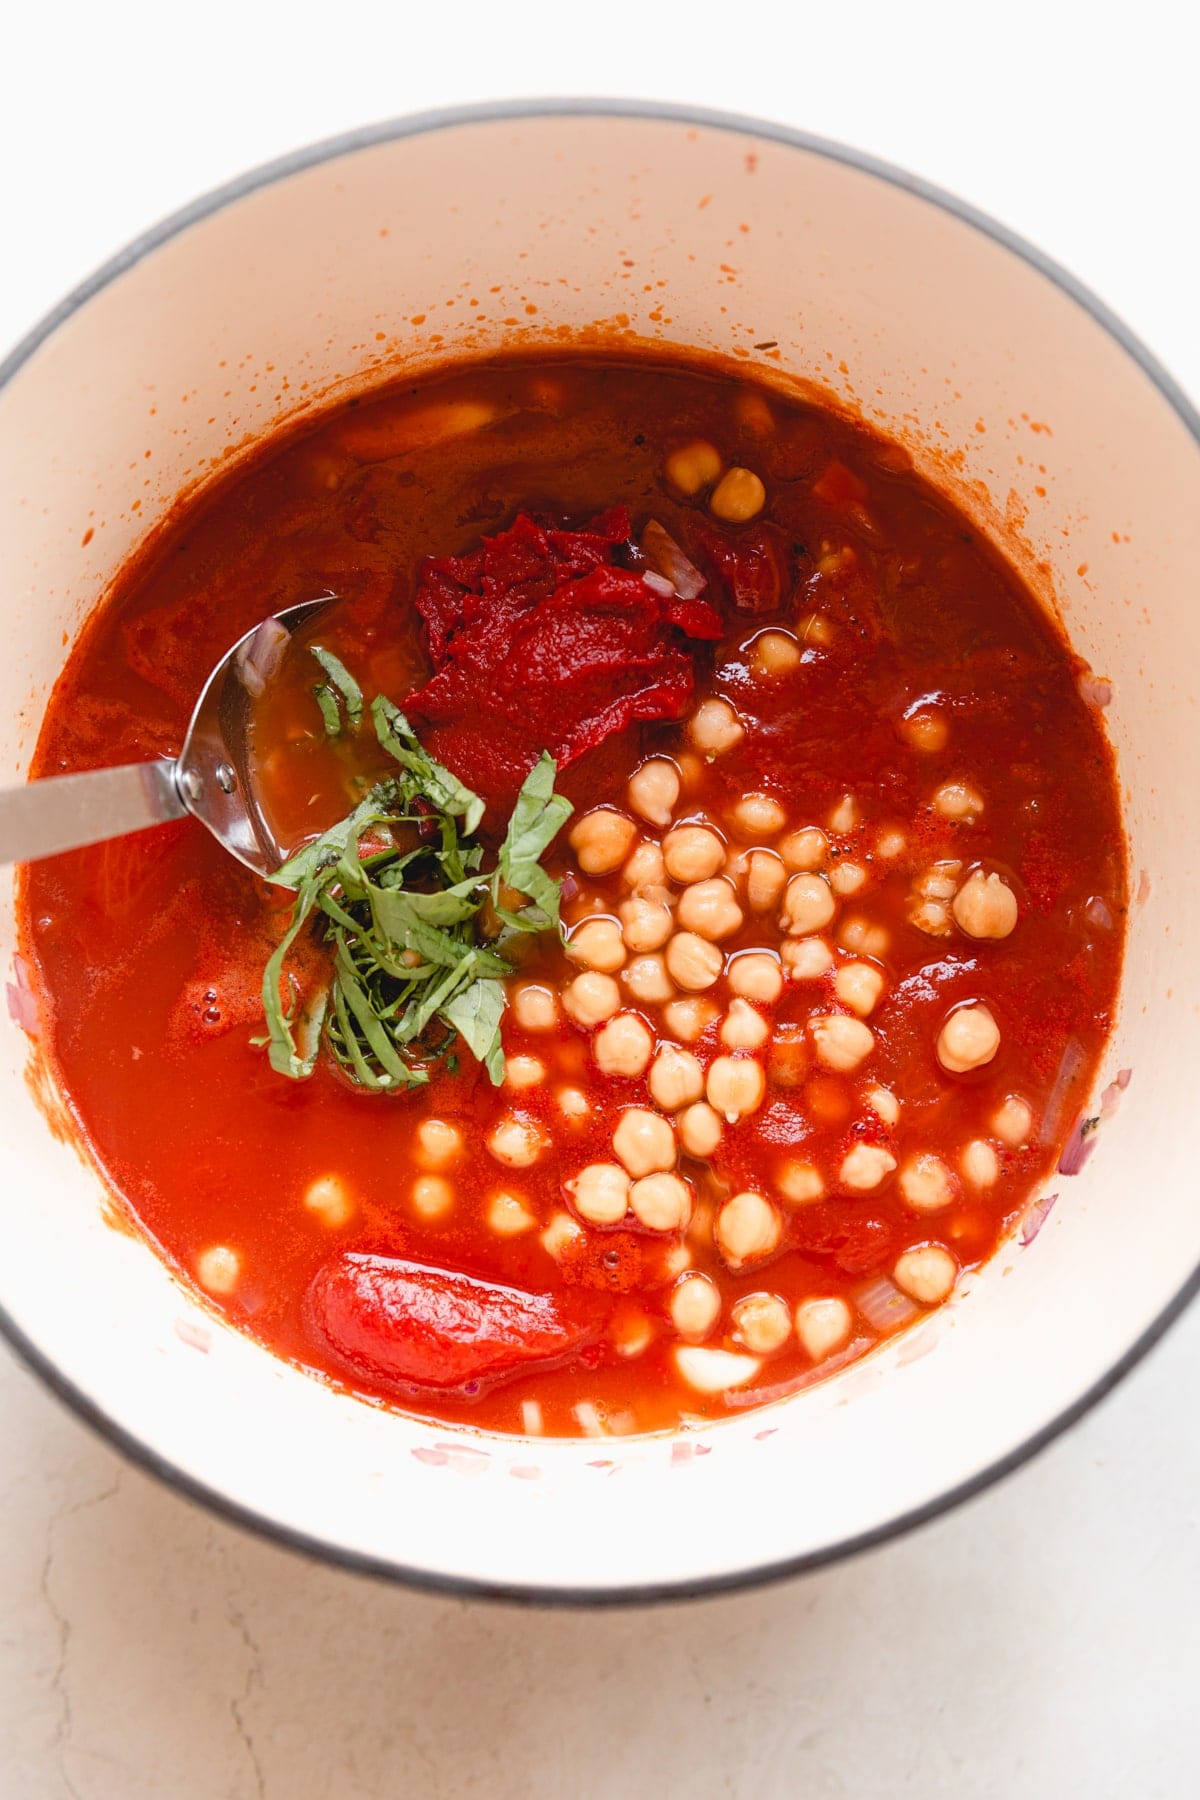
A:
(453, 236)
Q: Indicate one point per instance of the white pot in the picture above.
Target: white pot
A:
(1017, 390)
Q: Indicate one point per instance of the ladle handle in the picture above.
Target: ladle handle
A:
(65, 812)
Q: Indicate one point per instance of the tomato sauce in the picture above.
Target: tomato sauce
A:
(914, 726)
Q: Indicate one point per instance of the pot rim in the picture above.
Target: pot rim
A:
(490, 112)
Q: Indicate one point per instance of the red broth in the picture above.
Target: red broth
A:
(889, 750)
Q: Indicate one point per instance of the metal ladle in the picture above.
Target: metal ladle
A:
(210, 778)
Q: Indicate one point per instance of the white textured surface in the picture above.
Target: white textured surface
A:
(1042, 1641)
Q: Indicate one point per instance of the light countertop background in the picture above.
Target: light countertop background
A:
(1042, 1641)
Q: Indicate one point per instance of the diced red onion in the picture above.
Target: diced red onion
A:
(1036, 1217)
(1110, 1099)
(196, 1337)
(1094, 690)
(1096, 913)
(1055, 1115)
(883, 1306)
(664, 554)
(259, 658)
(658, 584)
(1079, 1145)
(1082, 1141)
(22, 1007)
(737, 1398)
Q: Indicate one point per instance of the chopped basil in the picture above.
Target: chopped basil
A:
(411, 973)
(339, 685)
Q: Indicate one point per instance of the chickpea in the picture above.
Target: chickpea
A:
(846, 815)
(969, 1038)
(653, 790)
(979, 1164)
(644, 1142)
(737, 862)
(330, 1200)
(765, 880)
(692, 769)
(738, 497)
(864, 939)
(218, 1269)
(925, 731)
(695, 1306)
(804, 850)
(775, 653)
(673, 1259)
(985, 906)
(601, 840)
(645, 923)
(624, 1046)
(647, 980)
(508, 1216)
(715, 728)
(859, 985)
(432, 1196)
(788, 1059)
(632, 1334)
(926, 1184)
(693, 466)
(524, 1072)
(645, 868)
(756, 975)
(438, 1143)
(865, 1166)
(676, 1078)
(534, 1007)
(841, 1043)
(926, 1273)
(884, 1104)
(823, 1326)
(846, 878)
(1012, 1121)
(661, 1202)
(693, 962)
(516, 1141)
(753, 414)
(591, 998)
(932, 917)
(815, 628)
(573, 1104)
(758, 816)
(735, 1086)
(808, 905)
(699, 1130)
(710, 909)
(748, 1227)
(561, 1232)
(890, 843)
(742, 1028)
(807, 959)
(692, 853)
(957, 800)
(800, 1183)
(600, 1193)
(689, 1019)
(597, 944)
(940, 880)
(761, 1323)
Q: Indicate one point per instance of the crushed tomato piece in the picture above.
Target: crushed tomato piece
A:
(395, 1321)
(540, 640)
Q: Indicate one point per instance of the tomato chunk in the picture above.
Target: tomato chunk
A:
(408, 1323)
